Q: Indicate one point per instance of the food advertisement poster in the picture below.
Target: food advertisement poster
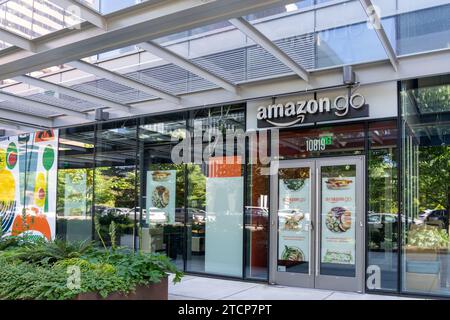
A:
(161, 186)
(28, 173)
(338, 220)
(293, 218)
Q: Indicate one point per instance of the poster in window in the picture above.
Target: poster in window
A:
(294, 209)
(338, 220)
(161, 185)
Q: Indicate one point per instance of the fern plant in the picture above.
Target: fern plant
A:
(43, 252)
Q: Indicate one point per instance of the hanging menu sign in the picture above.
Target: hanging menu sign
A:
(293, 221)
(338, 220)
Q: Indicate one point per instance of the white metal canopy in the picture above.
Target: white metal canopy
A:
(71, 92)
(113, 76)
(176, 59)
(257, 36)
(375, 21)
(142, 25)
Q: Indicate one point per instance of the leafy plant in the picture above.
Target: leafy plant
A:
(97, 228)
(31, 269)
(43, 252)
(428, 237)
(27, 281)
(13, 241)
(112, 235)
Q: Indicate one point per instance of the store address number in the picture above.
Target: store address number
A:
(319, 144)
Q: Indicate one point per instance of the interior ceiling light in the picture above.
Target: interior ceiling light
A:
(291, 7)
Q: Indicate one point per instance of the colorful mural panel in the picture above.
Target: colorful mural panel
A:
(28, 177)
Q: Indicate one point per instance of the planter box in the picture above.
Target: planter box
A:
(422, 282)
(420, 254)
(155, 291)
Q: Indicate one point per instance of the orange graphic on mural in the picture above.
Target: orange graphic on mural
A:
(46, 135)
(35, 223)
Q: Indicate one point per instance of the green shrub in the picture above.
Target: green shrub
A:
(26, 281)
(39, 269)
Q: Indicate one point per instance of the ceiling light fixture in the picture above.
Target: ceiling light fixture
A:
(291, 7)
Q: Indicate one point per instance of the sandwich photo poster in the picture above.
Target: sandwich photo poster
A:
(338, 220)
(161, 186)
(294, 215)
(28, 178)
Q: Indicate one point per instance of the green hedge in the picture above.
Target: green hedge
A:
(37, 269)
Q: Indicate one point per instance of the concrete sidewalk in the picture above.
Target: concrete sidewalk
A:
(201, 288)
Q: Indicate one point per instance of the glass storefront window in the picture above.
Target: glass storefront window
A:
(215, 190)
(257, 214)
(115, 182)
(426, 185)
(75, 183)
(382, 218)
(162, 186)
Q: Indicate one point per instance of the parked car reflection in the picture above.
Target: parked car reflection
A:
(383, 230)
(438, 218)
(115, 212)
(156, 215)
(256, 218)
(197, 216)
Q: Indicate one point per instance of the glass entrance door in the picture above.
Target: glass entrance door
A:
(317, 225)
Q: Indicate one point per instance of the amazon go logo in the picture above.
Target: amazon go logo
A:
(291, 113)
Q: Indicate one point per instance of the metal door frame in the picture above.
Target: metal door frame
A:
(355, 284)
(314, 279)
(290, 278)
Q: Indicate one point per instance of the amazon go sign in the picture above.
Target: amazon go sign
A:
(311, 111)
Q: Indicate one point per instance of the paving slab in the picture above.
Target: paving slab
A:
(202, 288)
(358, 296)
(185, 278)
(208, 288)
(266, 292)
(176, 297)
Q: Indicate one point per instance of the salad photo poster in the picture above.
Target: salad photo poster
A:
(294, 210)
(338, 220)
(28, 174)
(161, 186)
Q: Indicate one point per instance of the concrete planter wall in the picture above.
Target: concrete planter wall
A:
(154, 291)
